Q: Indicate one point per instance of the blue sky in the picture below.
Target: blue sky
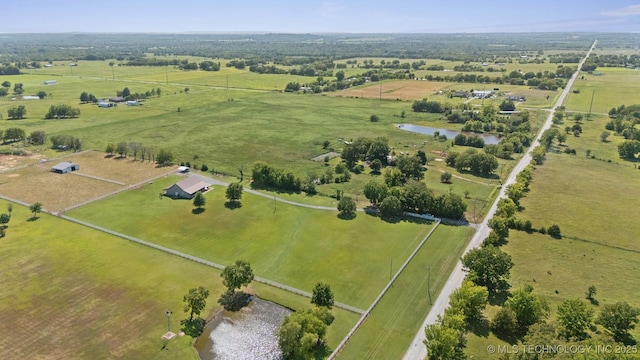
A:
(313, 16)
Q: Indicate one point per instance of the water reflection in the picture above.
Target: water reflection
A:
(250, 333)
(450, 134)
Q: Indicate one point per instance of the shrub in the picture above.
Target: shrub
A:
(554, 231)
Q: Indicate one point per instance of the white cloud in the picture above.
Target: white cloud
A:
(631, 10)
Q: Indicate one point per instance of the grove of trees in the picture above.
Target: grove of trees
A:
(61, 112)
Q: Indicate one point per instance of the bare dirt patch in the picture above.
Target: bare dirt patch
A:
(55, 191)
(124, 170)
(11, 161)
(400, 89)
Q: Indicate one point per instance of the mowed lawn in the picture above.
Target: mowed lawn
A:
(69, 292)
(389, 330)
(292, 245)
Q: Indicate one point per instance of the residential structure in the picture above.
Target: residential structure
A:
(187, 188)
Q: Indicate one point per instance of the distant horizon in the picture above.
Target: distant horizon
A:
(322, 17)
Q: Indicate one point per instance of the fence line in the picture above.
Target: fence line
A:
(98, 178)
(384, 291)
(201, 261)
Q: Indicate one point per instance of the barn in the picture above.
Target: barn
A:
(186, 188)
(65, 167)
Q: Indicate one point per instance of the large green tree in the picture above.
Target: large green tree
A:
(529, 308)
(628, 149)
(302, 334)
(618, 319)
(195, 301)
(237, 275)
(445, 339)
(391, 207)
(322, 295)
(410, 167)
(488, 266)
(347, 207)
(234, 191)
(575, 317)
(470, 299)
(375, 191)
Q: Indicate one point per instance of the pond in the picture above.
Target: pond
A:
(250, 333)
(489, 139)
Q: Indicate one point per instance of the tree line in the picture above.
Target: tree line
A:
(162, 156)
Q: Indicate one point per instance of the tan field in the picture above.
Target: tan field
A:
(396, 89)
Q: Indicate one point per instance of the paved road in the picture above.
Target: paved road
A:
(417, 350)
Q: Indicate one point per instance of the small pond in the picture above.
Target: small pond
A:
(250, 333)
(489, 139)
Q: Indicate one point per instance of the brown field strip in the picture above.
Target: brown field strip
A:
(399, 89)
(56, 192)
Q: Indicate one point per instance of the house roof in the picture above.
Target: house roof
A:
(63, 165)
(192, 184)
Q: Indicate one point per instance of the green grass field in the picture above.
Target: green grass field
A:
(295, 246)
(593, 202)
(227, 120)
(70, 293)
(614, 87)
(389, 330)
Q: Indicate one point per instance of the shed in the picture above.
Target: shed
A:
(133, 103)
(186, 188)
(65, 167)
(117, 99)
(51, 82)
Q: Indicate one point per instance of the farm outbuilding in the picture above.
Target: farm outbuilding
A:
(186, 188)
(51, 82)
(65, 167)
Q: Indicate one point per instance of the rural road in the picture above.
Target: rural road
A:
(417, 350)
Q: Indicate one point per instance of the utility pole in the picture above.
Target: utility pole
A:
(593, 93)
(429, 284)
(390, 269)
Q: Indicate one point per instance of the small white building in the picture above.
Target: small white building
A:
(482, 94)
(51, 82)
